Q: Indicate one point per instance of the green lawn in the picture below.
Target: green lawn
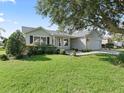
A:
(122, 50)
(61, 74)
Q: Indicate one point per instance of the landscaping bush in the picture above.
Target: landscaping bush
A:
(117, 60)
(19, 56)
(32, 50)
(4, 57)
(86, 50)
(109, 45)
(42, 49)
(75, 49)
(15, 44)
(120, 58)
(57, 51)
(73, 53)
(62, 51)
(103, 45)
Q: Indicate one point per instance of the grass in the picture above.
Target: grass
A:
(61, 74)
(121, 50)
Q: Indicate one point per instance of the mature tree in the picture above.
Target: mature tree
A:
(15, 44)
(77, 14)
(117, 37)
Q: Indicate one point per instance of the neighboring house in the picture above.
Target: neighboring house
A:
(118, 44)
(78, 40)
(106, 39)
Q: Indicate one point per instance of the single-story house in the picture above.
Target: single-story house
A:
(80, 40)
(107, 38)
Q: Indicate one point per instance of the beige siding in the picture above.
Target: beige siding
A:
(36, 33)
(62, 43)
(91, 42)
(94, 41)
(78, 43)
(53, 39)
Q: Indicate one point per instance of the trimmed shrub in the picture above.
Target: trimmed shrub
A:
(73, 53)
(75, 49)
(120, 58)
(4, 57)
(109, 45)
(103, 45)
(62, 51)
(42, 49)
(50, 49)
(86, 50)
(32, 50)
(57, 51)
(19, 56)
(15, 44)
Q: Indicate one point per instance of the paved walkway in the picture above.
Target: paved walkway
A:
(79, 53)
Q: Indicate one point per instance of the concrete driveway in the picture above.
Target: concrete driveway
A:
(79, 53)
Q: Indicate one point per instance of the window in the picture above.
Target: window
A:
(65, 42)
(60, 42)
(43, 40)
(31, 39)
(36, 40)
(52, 41)
(48, 40)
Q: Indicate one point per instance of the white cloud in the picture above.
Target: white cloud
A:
(15, 22)
(1, 14)
(2, 20)
(12, 21)
(13, 1)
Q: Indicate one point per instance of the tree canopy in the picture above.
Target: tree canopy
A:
(78, 14)
(15, 44)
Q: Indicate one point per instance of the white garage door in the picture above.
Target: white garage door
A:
(94, 44)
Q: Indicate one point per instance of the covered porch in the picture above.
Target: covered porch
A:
(61, 42)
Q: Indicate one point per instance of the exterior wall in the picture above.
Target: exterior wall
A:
(53, 40)
(36, 33)
(56, 42)
(94, 44)
(104, 41)
(78, 43)
(94, 41)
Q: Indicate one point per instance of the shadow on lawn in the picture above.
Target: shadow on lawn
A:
(108, 58)
(37, 58)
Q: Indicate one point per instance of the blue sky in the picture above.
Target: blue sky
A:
(17, 13)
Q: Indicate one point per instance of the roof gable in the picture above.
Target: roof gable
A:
(86, 32)
(81, 33)
(27, 29)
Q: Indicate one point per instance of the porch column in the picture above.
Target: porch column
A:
(53, 41)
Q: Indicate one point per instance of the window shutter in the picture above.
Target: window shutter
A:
(48, 40)
(31, 39)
